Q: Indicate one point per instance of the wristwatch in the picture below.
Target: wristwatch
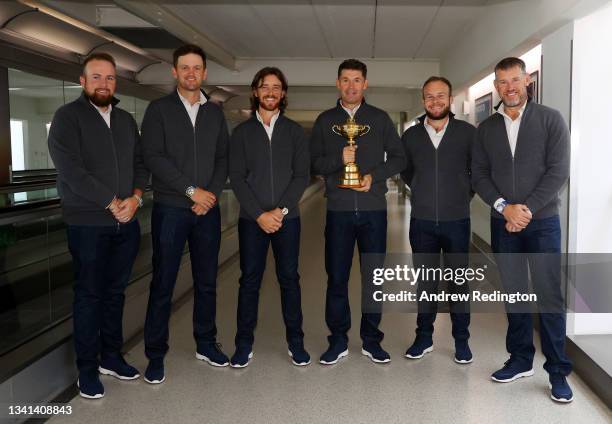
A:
(140, 201)
(190, 191)
(284, 211)
(500, 206)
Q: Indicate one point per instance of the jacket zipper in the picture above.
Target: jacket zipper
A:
(195, 158)
(436, 185)
(271, 167)
(112, 141)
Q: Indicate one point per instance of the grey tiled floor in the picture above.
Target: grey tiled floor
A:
(271, 390)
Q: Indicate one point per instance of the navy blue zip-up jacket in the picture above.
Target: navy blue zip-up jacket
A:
(95, 163)
(537, 171)
(180, 155)
(439, 179)
(379, 153)
(267, 174)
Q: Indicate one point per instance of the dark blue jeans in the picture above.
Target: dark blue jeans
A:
(540, 247)
(102, 257)
(342, 230)
(428, 239)
(254, 244)
(171, 228)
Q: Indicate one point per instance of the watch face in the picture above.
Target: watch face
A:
(284, 211)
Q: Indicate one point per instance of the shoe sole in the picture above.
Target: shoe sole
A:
(299, 364)
(464, 361)
(378, 361)
(561, 400)
(155, 381)
(209, 361)
(105, 371)
(429, 349)
(341, 355)
(86, 396)
(515, 377)
(245, 365)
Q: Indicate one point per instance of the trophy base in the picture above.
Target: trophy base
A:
(351, 177)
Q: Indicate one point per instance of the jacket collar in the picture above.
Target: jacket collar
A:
(339, 105)
(529, 101)
(421, 118)
(175, 95)
(83, 98)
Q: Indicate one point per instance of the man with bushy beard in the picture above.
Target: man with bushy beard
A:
(101, 177)
(438, 152)
(269, 171)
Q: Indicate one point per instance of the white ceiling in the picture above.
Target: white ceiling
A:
(401, 40)
(338, 29)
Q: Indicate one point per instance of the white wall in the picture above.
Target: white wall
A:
(556, 93)
(508, 28)
(591, 181)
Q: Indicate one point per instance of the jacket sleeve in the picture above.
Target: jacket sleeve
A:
(320, 162)
(238, 174)
(141, 173)
(155, 158)
(65, 150)
(481, 170)
(396, 159)
(301, 171)
(557, 165)
(408, 171)
(217, 183)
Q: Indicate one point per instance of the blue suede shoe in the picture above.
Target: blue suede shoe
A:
(376, 353)
(212, 354)
(242, 357)
(154, 374)
(118, 368)
(334, 353)
(298, 355)
(560, 391)
(512, 370)
(419, 348)
(463, 354)
(89, 385)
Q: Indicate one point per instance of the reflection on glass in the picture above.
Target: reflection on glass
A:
(33, 101)
(72, 91)
(36, 273)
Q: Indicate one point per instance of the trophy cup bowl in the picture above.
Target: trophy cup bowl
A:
(350, 130)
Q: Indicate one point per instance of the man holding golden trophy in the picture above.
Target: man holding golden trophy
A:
(355, 180)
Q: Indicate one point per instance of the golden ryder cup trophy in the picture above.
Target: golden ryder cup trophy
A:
(351, 130)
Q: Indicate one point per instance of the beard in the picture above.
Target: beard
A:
(99, 100)
(264, 105)
(518, 100)
(437, 116)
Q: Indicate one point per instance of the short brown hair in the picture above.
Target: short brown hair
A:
(355, 65)
(98, 56)
(436, 79)
(187, 49)
(509, 63)
(258, 79)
